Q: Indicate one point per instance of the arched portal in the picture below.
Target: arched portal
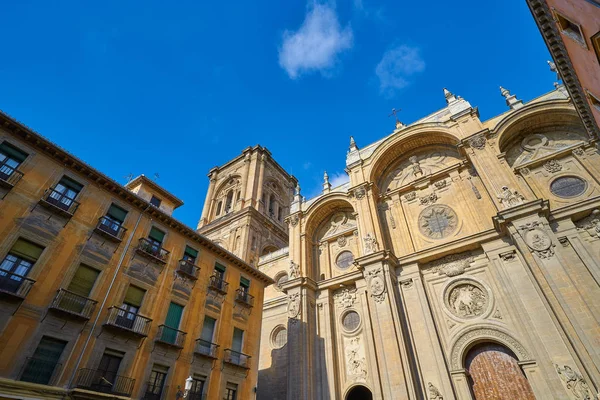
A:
(359, 393)
(495, 374)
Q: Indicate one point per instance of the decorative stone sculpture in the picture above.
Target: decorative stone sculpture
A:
(467, 301)
(434, 393)
(591, 223)
(376, 284)
(371, 245)
(477, 142)
(437, 221)
(574, 382)
(537, 239)
(510, 198)
(356, 363)
(410, 196)
(341, 241)
(440, 184)
(294, 270)
(552, 166)
(346, 297)
(429, 199)
(416, 168)
(452, 265)
(293, 307)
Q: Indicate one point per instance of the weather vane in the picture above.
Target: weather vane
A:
(395, 114)
(156, 176)
(129, 177)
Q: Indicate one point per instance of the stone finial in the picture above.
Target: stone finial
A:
(554, 69)
(326, 184)
(511, 99)
(353, 146)
(450, 97)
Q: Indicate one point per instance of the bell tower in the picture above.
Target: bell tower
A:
(247, 201)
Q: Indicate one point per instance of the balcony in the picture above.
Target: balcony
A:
(127, 321)
(14, 285)
(218, 284)
(206, 348)
(9, 176)
(59, 203)
(170, 336)
(235, 358)
(40, 371)
(196, 396)
(72, 304)
(154, 391)
(187, 268)
(110, 229)
(104, 382)
(153, 251)
(244, 298)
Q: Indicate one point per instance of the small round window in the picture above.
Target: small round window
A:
(568, 186)
(351, 321)
(279, 337)
(344, 260)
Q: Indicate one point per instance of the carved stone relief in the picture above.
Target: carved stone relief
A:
(574, 382)
(477, 142)
(591, 223)
(510, 198)
(539, 145)
(537, 239)
(376, 284)
(429, 199)
(437, 221)
(294, 270)
(371, 245)
(345, 298)
(356, 362)
(410, 196)
(451, 265)
(419, 165)
(552, 166)
(294, 219)
(440, 184)
(434, 393)
(293, 306)
(467, 300)
(342, 241)
(341, 221)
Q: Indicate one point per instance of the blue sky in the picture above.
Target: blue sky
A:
(179, 87)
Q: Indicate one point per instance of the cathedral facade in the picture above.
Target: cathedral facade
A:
(461, 261)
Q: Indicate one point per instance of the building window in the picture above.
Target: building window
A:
(10, 159)
(190, 255)
(207, 334)
(107, 371)
(350, 321)
(219, 208)
(231, 391)
(344, 260)
(569, 28)
(41, 366)
(279, 337)
(17, 264)
(113, 219)
(131, 305)
(158, 376)
(156, 237)
(79, 289)
(596, 44)
(594, 101)
(228, 201)
(170, 330)
(568, 186)
(64, 193)
(155, 201)
(197, 389)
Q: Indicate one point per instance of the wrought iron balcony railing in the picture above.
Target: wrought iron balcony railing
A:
(104, 382)
(128, 321)
(59, 202)
(15, 285)
(148, 248)
(217, 283)
(71, 303)
(154, 391)
(110, 228)
(206, 348)
(236, 358)
(244, 298)
(188, 269)
(9, 176)
(170, 336)
(37, 370)
(196, 396)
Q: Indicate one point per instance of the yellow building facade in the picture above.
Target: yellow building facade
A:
(104, 295)
(461, 261)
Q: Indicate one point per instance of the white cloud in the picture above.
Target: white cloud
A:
(315, 46)
(338, 178)
(396, 67)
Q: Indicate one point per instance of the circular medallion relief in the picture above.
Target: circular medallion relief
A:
(280, 279)
(279, 337)
(344, 260)
(537, 239)
(568, 186)
(467, 299)
(350, 321)
(438, 221)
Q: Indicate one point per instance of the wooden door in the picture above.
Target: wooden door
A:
(496, 375)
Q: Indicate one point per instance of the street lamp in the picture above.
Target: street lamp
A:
(188, 387)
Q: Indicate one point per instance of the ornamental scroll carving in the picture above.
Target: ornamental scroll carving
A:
(452, 265)
(293, 306)
(552, 166)
(574, 382)
(376, 284)
(434, 393)
(345, 298)
(429, 199)
(467, 300)
(537, 239)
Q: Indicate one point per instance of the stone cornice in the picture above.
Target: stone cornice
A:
(538, 206)
(109, 185)
(543, 18)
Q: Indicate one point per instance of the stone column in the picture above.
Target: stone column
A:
(208, 201)
(261, 175)
(244, 195)
(326, 365)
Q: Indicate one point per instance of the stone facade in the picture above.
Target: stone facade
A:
(458, 243)
(56, 342)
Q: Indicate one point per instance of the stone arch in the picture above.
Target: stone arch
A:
(229, 185)
(267, 249)
(406, 141)
(358, 392)
(478, 334)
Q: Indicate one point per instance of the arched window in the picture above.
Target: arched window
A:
(229, 201)
(219, 208)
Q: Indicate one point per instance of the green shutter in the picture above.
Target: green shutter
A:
(156, 234)
(83, 281)
(41, 366)
(244, 282)
(117, 213)
(174, 316)
(208, 329)
(219, 267)
(191, 252)
(134, 296)
(238, 337)
(12, 152)
(71, 184)
(25, 249)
